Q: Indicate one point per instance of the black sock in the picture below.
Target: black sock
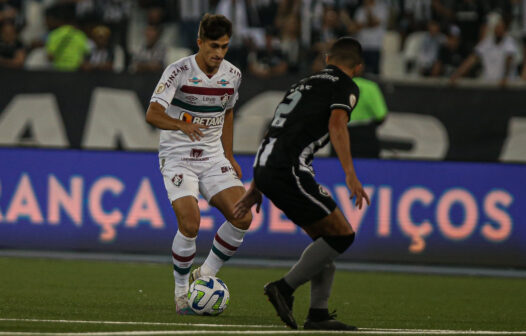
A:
(318, 314)
(284, 287)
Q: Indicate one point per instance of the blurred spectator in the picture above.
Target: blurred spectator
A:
(332, 27)
(67, 46)
(151, 57)
(155, 16)
(497, 54)
(349, 7)
(414, 16)
(191, 12)
(371, 23)
(286, 8)
(523, 74)
(513, 13)
(11, 10)
(290, 42)
(443, 10)
(367, 116)
(269, 61)
(101, 56)
(428, 53)
(470, 17)
(236, 12)
(12, 52)
(369, 113)
(116, 16)
(450, 56)
(267, 11)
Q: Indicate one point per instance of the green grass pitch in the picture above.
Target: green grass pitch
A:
(35, 293)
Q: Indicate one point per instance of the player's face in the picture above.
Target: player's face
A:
(213, 51)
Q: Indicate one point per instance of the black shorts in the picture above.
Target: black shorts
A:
(296, 193)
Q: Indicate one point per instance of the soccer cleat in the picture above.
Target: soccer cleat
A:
(328, 324)
(194, 275)
(282, 304)
(182, 307)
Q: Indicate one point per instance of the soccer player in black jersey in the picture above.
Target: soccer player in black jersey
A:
(313, 111)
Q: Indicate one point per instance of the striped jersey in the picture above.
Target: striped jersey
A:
(301, 121)
(188, 94)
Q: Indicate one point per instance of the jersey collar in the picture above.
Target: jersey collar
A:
(204, 75)
(336, 69)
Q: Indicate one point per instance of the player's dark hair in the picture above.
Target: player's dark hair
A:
(214, 26)
(346, 51)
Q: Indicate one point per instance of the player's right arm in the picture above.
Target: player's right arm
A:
(163, 94)
(339, 135)
(156, 116)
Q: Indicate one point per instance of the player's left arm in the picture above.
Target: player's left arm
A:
(227, 138)
(252, 197)
(339, 135)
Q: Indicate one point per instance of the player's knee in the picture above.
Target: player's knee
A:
(242, 223)
(340, 243)
(189, 226)
(189, 231)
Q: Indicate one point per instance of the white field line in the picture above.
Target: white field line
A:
(168, 324)
(368, 331)
(269, 332)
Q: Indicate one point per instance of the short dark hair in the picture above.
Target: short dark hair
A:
(346, 51)
(214, 26)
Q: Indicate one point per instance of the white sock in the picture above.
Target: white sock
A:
(183, 253)
(226, 241)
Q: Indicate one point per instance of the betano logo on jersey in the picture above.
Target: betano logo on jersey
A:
(211, 121)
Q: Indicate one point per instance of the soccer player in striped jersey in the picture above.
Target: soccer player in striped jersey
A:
(315, 110)
(193, 106)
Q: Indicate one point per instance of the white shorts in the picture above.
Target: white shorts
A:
(189, 178)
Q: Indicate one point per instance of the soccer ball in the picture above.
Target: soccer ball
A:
(208, 295)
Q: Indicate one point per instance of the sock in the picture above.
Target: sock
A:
(227, 240)
(183, 253)
(320, 288)
(313, 258)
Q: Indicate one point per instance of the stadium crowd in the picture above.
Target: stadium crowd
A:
(424, 38)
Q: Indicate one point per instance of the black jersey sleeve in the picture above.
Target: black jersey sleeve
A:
(345, 95)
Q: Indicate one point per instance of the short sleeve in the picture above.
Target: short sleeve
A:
(165, 89)
(480, 48)
(51, 44)
(510, 47)
(345, 96)
(232, 101)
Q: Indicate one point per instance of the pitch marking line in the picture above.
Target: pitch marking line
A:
(172, 324)
(369, 331)
(268, 332)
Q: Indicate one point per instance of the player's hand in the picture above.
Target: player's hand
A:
(237, 168)
(251, 197)
(192, 130)
(357, 191)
